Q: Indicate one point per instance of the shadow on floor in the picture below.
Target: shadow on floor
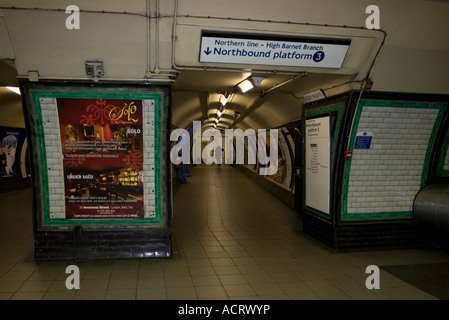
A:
(432, 278)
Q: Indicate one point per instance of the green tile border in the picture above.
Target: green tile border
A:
(42, 188)
(378, 216)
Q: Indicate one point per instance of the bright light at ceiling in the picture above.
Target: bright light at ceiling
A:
(14, 89)
(245, 86)
(223, 100)
(250, 83)
(219, 113)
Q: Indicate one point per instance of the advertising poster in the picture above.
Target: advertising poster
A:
(317, 163)
(102, 151)
(283, 174)
(11, 140)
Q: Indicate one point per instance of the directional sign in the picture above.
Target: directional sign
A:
(273, 50)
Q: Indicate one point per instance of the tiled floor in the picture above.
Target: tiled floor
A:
(233, 241)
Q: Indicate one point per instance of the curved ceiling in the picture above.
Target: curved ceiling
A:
(160, 40)
(278, 99)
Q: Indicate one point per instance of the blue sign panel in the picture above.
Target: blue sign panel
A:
(363, 141)
(273, 50)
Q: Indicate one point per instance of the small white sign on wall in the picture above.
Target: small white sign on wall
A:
(317, 157)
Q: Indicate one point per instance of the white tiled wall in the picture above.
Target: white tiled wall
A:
(55, 166)
(148, 159)
(54, 156)
(387, 177)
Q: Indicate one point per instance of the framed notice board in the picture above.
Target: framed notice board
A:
(321, 125)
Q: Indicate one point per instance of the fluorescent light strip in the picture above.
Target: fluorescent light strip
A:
(245, 86)
(14, 89)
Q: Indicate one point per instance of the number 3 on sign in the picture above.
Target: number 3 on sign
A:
(318, 56)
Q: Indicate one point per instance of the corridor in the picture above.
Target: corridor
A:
(232, 240)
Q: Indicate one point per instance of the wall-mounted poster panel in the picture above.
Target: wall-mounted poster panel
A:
(102, 157)
(283, 174)
(13, 147)
(317, 163)
(321, 127)
(99, 156)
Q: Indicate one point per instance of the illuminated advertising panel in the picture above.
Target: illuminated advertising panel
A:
(102, 147)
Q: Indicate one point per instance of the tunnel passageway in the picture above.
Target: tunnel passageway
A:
(232, 240)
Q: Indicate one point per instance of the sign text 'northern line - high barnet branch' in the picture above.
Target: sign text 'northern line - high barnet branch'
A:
(290, 52)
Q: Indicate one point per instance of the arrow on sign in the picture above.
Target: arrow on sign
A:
(207, 51)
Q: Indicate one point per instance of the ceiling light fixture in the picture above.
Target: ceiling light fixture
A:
(14, 89)
(249, 83)
(245, 86)
(219, 113)
(223, 99)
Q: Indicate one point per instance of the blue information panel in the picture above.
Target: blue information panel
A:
(363, 141)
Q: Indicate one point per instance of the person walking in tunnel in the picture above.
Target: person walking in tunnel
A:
(217, 154)
(179, 166)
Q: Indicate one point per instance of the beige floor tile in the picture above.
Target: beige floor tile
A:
(35, 285)
(94, 284)
(6, 295)
(229, 279)
(59, 295)
(37, 295)
(200, 262)
(97, 294)
(119, 284)
(16, 276)
(202, 271)
(283, 276)
(267, 288)
(239, 290)
(206, 280)
(209, 292)
(120, 294)
(10, 286)
(221, 262)
(181, 293)
(152, 293)
(178, 281)
(221, 270)
(153, 282)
